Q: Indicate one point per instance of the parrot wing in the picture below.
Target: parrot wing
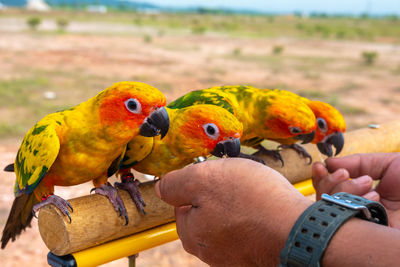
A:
(202, 97)
(136, 150)
(116, 164)
(37, 153)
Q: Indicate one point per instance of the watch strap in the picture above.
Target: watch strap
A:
(314, 229)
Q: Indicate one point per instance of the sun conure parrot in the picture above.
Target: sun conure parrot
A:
(265, 114)
(330, 127)
(195, 131)
(80, 144)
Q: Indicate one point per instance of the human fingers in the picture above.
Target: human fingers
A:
(372, 195)
(184, 228)
(178, 187)
(329, 183)
(373, 164)
(318, 173)
(357, 186)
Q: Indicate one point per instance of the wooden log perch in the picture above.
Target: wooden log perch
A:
(386, 138)
(94, 220)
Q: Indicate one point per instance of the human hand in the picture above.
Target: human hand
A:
(232, 212)
(363, 168)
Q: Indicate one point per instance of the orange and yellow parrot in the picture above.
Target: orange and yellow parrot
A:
(265, 114)
(195, 131)
(80, 144)
(330, 127)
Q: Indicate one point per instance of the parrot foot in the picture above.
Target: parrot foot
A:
(275, 154)
(251, 157)
(300, 150)
(57, 201)
(130, 184)
(112, 194)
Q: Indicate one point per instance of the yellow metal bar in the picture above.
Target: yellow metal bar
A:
(305, 187)
(126, 246)
(145, 240)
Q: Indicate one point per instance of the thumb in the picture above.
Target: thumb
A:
(176, 188)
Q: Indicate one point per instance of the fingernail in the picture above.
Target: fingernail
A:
(363, 180)
(338, 175)
(157, 189)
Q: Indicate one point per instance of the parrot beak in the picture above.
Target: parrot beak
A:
(336, 140)
(156, 123)
(306, 138)
(230, 147)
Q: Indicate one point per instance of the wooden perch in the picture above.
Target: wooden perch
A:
(386, 138)
(94, 220)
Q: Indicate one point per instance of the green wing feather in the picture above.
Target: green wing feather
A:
(37, 153)
(206, 96)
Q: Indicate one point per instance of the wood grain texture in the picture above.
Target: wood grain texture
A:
(94, 221)
(384, 139)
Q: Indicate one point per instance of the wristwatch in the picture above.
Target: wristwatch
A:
(314, 229)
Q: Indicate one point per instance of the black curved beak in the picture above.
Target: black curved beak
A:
(156, 123)
(336, 140)
(306, 138)
(230, 147)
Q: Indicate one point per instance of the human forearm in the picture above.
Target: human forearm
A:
(362, 243)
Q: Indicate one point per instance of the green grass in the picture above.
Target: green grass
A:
(345, 109)
(347, 87)
(23, 103)
(312, 94)
(255, 26)
(16, 92)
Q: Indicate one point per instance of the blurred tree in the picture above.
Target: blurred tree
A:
(34, 22)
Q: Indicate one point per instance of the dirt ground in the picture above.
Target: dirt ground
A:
(177, 63)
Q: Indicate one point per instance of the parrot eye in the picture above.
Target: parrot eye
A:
(322, 126)
(211, 130)
(294, 130)
(133, 105)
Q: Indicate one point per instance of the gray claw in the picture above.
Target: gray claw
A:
(251, 157)
(130, 184)
(57, 201)
(300, 150)
(272, 153)
(112, 194)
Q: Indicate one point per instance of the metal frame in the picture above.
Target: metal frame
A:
(131, 245)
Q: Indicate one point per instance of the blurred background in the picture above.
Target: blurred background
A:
(57, 53)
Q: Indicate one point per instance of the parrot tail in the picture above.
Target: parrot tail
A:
(19, 218)
(9, 168)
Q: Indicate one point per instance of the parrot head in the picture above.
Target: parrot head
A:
(130, 108)
(288, 117)
(330, 128)
(201, 130)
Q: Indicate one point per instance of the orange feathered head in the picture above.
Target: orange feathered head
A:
(201, 130)
(132, 108)
(330, 127)
(288, 117)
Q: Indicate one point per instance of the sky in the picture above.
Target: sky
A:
(377, 7)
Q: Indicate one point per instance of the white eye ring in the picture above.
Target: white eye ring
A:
(322, 126)
(211, 130)
(133, 105)
(294, 130)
